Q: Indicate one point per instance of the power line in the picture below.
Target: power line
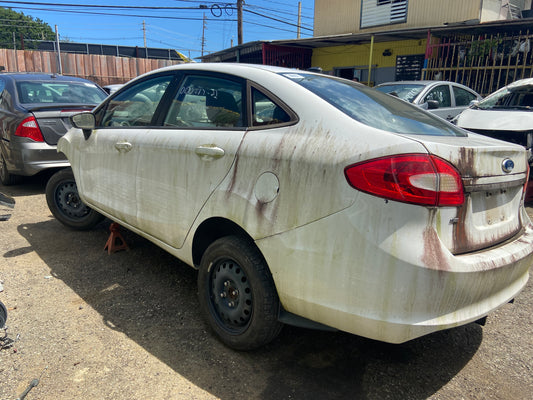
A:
(100, 6)
(290, 13)
(279, 16)
(276, 19)
(120, 7)
(122, 15)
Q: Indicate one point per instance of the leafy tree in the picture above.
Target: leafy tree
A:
(26, 30)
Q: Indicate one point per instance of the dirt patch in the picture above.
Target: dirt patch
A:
(126, 326)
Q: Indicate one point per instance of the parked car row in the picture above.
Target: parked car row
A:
(304, 199)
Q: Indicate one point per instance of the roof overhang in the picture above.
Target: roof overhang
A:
(472, 27)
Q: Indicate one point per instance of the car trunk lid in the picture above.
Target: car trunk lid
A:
(493, 174)
(54, 121)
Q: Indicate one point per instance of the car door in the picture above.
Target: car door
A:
(180, 163)
(108, 170)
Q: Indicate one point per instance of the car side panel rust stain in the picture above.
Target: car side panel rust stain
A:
(434, 255)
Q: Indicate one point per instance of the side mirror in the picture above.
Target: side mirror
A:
(433, 104)
(84, 121)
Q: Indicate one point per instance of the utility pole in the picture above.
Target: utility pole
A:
(239, 21)
(204, 27)
(299, 19)
(58, 53)
(144, 33)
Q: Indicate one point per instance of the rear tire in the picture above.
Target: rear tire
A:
(6, 178)
(65, 204)
(237, 294)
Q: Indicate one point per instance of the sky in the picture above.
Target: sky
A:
(175, 24)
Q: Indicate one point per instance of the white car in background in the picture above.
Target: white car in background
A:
(304, 199)
(442, 98)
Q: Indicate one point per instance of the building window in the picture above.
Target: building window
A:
(383, 12)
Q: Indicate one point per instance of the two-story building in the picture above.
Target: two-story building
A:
(484, 44)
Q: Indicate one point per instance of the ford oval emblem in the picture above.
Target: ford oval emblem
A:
(507, 165)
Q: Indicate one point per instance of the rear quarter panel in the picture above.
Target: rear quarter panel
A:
(308, 160)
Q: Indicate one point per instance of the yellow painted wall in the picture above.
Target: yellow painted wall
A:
(357, 55)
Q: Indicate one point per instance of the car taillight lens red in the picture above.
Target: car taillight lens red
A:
(30, 128)
(410, 178)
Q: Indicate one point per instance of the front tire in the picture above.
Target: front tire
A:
(237, 294)
(65, 204)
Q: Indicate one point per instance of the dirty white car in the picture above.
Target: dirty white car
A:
(304, 199)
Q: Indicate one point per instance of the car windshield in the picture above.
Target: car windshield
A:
(374, 108)
(516, 98)
(35, 92)
(405, 91)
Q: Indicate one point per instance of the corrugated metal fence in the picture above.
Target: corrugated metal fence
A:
(104, 70)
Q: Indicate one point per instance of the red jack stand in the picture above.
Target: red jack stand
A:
(115, 242)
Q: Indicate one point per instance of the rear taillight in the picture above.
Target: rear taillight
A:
(30, 128)
(410, 178)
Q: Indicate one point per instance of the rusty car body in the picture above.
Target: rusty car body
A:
(304, 199)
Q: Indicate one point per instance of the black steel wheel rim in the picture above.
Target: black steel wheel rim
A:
(230, 296)
(68, 201)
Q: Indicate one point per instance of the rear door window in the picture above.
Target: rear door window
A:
(462, 97)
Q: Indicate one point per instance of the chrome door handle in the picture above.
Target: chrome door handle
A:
(209, 152)
(123, 147)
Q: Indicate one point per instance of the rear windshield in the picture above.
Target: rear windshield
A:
(373, 108)
(35, 92)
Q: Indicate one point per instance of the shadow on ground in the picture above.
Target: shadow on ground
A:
(28, 185)
(151, 297)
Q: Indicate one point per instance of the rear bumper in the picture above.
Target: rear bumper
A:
(28, 159)
(343, 272)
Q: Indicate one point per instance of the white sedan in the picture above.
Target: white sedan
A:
(304, 199)
(442, 98)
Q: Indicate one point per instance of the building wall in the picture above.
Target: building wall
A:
(331, 59)
(344, 16)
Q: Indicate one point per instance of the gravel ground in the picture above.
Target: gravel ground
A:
(89, 325)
